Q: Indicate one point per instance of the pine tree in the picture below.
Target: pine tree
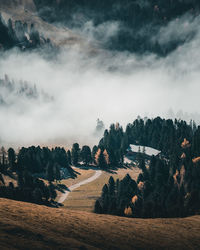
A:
(52, 191)
(100, 159)
(94, 151)
(104, 191)
(111, 186)
(75, 154)
(106, 156)
(46, 193)
(69, 158)
(11, 158)
(20, 180)
(97, 207)
(50, 175)
(86, 155)
(37, 195)
(57, 172)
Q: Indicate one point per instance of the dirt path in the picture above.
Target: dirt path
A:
(63, 197)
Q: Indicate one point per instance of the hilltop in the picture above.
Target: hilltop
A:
(30, 226)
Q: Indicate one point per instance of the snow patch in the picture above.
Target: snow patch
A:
(143, 149)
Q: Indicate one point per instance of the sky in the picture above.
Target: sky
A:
(112, 86)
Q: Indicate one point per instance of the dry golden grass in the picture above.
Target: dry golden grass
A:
(82, 174)
(84, 197)
(29, 226)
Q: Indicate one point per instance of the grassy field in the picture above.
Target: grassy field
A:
(29, 226)
(82, 174)
(84, 197)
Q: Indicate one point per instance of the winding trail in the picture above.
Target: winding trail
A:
(96, 175)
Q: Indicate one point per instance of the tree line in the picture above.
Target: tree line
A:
(20, 34)
(20, 89)
(165, 135)
(33, 165)
(30, 167)
(178, 141)
(169, 185)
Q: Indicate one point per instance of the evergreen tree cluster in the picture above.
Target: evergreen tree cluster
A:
(115, 142)
(19, 34)
(115, 196)
(29, 189)
(165, 135)
(30, 165)
(10, 90)
(140, 20)
(45, 161)
(97, 157)
(168, 186)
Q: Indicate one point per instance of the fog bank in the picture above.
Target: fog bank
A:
(112, 86)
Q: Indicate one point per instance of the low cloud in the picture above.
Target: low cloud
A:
(183, 28)
(112, 86)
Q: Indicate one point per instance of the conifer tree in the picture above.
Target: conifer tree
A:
(75, 154)
(86, 155)
(97, 207)
(57, 172)
(11, 158)
(94, 151)
(69, 158)
(111, 186)
(50, 175)
(100, 159)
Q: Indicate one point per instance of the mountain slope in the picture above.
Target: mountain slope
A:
(25, 11)
(138, 22)
(29, 226)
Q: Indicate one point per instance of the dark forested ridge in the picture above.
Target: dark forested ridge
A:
(29, 166)
(169, 185)
(19, 34)
(137, 24)
(139, 20)
(165, 135)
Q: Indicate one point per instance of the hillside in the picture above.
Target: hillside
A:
(83, 198)
(25, 11)
(29, 226)
(137, 22)
(134, 26)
